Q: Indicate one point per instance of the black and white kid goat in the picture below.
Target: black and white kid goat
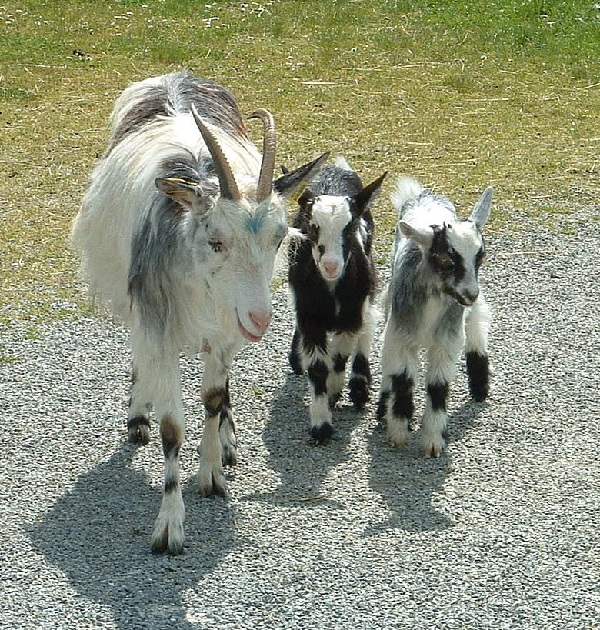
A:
(178, 230)
(332, 281)
(434, 301)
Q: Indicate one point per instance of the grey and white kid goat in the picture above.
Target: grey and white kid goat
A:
(178, 231)
(332, 281)
(434, 301)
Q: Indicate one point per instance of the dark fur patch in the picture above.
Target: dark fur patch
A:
(438, 393)
(359, 392)
(322, 434)
(339, 363)
(294, 356)
(402, 387)
(382, 406)
(214, 399)
(360, 365)
(317, 374)
(171, 485)
(138, 429)
(171, 436)
(478, 373)
(174, 94)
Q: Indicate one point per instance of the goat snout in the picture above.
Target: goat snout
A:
(261, 319)
(469, 297)
(257, 323)
(331, 269)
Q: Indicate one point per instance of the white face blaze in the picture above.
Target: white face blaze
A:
(330, 215)
(465, 240)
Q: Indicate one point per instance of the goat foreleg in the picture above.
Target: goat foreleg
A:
(400, 368)
(317, 364)
(477, 326)
(157, 371)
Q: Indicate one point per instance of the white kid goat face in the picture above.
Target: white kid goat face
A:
(330, 216)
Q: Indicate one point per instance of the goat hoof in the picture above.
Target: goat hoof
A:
(333, 400)
(397, 432)
(480, 393)
(433, 449)
(138, 430)
(229, 456)
(322, 434)
(168, 534)
(359, 395)
(212, 484)
(295, 364)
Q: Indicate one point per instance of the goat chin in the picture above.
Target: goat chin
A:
(247, 334)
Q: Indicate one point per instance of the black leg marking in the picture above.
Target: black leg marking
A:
(359, 381)
(402, 387)
(382, 407)
(317, 373)
(294, 356)
(172, 440)
(339, 363)
(322, 434)
(438, 393)
(138, 429)
(478, 372)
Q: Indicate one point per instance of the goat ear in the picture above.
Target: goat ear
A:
(421, 235)
(482, 208)
(181, 191)
(306, 199)
(293, 183)
(366, 196)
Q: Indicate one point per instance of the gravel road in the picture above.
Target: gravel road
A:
(501, 532)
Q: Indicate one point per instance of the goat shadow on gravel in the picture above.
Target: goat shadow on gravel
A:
(407, 481)
(98, 535)
(302, 464)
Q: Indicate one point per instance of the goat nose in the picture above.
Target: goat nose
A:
(471, 296)
(261, 319)
(331, 268)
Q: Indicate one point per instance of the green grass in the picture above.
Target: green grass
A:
(459, 94)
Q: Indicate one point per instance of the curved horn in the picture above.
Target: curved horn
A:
(267, 168)
(227, 183)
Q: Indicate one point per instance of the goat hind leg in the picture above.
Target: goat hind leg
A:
(138, 417)
(211, 479)
(227, 431)
(360, 377)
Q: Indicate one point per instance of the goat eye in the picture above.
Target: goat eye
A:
(443, 263)
(217, 246)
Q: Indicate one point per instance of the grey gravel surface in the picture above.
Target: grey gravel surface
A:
(501, 532)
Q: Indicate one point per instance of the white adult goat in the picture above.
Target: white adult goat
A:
(178, 231)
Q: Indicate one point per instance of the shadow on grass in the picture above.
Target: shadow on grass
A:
(98, 535)
(407, 481)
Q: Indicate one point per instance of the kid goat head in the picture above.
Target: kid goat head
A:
(453, 250)
(328, 218)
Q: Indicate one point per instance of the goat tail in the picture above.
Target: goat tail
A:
(406, 188)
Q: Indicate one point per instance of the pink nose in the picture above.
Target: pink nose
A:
(261, 319)
(331, 268)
